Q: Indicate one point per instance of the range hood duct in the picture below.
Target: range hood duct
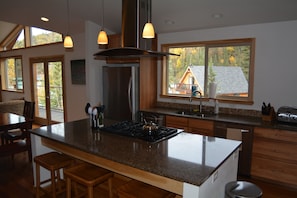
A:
(134, 15)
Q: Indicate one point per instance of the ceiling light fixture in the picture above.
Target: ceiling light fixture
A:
(148, 30)
(68, 43)
(102, 36)
(45, 19)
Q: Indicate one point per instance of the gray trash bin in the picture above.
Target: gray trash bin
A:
(242, 189)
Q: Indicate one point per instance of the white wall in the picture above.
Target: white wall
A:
(75, 104)
(275, 60)
(85, 46)
(93, 66)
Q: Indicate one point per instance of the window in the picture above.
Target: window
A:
(228, 63)
(12, 74)
(20, 42)
(22, 37)
(40, 36)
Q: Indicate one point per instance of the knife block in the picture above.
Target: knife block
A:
(269, 118)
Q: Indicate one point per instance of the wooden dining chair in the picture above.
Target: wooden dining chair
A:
(18, 140)
(19, 134)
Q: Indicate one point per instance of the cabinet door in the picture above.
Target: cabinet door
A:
(177, 122)
(202, 127)
(275, 155)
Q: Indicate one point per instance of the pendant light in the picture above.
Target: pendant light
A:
(102, 36)
(68, 43)
(148, 30)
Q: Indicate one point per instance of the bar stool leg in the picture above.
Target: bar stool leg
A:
(37, 181)
(68, 186)
(90, 192)
(59, 186)
(53, 178)
(110, 187)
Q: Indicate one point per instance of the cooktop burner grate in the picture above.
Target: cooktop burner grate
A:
(137, 130)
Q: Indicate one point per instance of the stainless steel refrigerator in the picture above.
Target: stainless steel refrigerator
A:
(121, 92)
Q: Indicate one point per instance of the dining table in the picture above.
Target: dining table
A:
(9, 121)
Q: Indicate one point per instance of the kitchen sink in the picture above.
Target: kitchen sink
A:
(195, 113)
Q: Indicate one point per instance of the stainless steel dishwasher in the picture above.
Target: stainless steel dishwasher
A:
(238, 132)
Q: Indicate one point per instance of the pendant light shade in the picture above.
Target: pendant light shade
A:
(148, 31)
(102, 38)
(68, 43)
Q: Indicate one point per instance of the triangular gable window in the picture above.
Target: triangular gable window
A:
(42, 36)
(20, 41)
(35, 36)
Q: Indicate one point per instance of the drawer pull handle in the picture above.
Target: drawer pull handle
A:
(245, 131)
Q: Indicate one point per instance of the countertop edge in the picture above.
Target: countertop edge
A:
(234, 119)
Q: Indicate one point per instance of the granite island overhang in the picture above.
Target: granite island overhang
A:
(187, 164)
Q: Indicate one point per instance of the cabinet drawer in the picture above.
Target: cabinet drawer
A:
(290, 136)
(275, 150)
(202, 127)
(200, 131)
(275, 170)
(201, 124)
(177, 122)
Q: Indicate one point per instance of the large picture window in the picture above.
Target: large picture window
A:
(229, 64)
(12, 74)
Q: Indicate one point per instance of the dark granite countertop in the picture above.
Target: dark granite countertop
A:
(235, 119)
(185, 157)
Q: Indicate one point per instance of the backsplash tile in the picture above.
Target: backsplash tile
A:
(222, 110)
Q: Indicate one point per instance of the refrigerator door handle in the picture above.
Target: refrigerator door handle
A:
(129, 94)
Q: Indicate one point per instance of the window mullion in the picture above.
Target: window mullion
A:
(206, 71)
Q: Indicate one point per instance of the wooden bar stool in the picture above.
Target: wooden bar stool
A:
(89, 176)
(136, 189)
(53, 162)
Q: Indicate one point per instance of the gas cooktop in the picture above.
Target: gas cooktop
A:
(146, 131)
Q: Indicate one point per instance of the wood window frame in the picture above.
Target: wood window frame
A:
(216, 43)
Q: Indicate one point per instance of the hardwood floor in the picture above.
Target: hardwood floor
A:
(16, 177)
(16, 180)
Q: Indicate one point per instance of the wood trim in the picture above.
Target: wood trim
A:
(128, 171)
(147, 83)
(10, 39)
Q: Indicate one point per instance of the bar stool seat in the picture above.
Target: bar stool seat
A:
(53, 162)
(242, 189)
(136, 189)
(89, 176)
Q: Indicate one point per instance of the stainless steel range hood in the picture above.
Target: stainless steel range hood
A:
(134, 15)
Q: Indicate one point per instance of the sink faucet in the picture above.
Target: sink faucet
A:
(200, 99)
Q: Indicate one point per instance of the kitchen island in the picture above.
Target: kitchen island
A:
(186, 164)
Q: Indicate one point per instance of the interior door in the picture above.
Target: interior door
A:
(48, 94)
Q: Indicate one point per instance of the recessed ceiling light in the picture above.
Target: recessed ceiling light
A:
(217, 15)
(169, 22)
(44, 19)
